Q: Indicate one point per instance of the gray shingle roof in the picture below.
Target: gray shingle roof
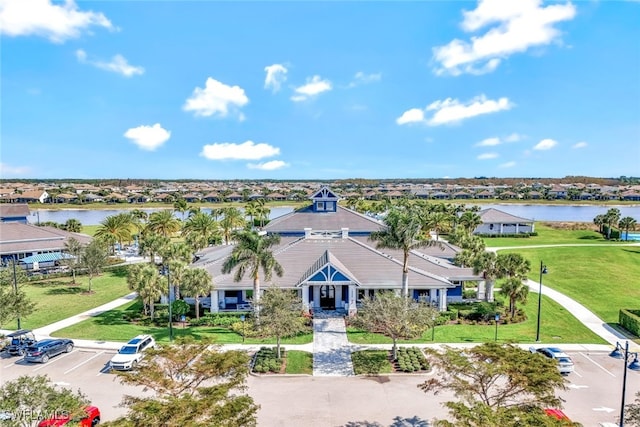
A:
(298, 220)
(17, 238)
(492, 215)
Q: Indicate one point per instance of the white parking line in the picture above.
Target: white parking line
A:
(80, 364)
(576, 372)
(10, 365)
(597, 364)
(44, 365)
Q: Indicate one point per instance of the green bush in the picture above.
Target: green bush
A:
(411, 359)
(265, 360)
(630, 320)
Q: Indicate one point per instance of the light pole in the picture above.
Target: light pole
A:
(497, 320)
(433, 329)
(543, 270)
(634, 366)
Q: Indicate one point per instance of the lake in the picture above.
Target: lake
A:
(582, 213)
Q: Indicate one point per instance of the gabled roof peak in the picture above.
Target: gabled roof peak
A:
(324, 194)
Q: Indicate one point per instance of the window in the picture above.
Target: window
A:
(319, 206)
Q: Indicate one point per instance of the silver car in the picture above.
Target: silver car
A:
(565, 364)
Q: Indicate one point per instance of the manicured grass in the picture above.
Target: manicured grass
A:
(604, 279)
(299, 362)
(557, 325)
(90, 229)
(371, 362)
(548, 236)
(57, 299)
(111, 326)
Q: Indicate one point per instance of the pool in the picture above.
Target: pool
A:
(630, 236)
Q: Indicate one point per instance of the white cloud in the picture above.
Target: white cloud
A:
(8, 170)
(545, 144)
(489, 142)
(314, 86)
(512, 27)
(118, 64)
(507, 165)
(580, 144)
(248, 150)
(57, 22)
(148, 137)
(414, 115)
(487, 156)
(362, 78)
(268, 166)
(216, 99)
(453, 111)
(276, 75)
(514, 137)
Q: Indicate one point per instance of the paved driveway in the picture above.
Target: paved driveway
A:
(593, 393)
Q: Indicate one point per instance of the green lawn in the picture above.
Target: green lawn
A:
(556, 326)
(111, 326)
(57, 299)
(299, 362)
(89, 229)
(604, 279)
(548, 236)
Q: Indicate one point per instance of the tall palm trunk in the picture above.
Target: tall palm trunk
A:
(405, 275)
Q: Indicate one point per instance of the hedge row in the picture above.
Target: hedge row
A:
(630, 320)
(516, 235)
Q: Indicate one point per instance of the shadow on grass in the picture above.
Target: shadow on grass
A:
(589, 238)
(120, 271)
(73, 290)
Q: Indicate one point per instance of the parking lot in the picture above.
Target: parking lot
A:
(593, 394)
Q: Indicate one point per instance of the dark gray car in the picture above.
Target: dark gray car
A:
(43, 350)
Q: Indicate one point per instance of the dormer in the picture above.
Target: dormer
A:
(325, 200)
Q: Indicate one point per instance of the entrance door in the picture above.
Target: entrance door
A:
(328, 297)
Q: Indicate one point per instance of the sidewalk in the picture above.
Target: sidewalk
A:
(331, 349)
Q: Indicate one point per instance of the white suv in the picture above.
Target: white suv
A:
(131, 353)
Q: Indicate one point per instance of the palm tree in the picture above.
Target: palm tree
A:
(177, 251)
(513, 265)
(599, 220)
(627, 223)
(147, 282)
(163, 222)
(611, 217)
(469, 220)
(437, 221)
(263, 212)
(517, 291)
(252, 253)
(200, 230)
(403, 231)
(72, 225)
(181, 206)
(152, 244)
(176, 270)
(196, 282)
(115, 229)
(487, 264)
(233, 219)
(251, 210)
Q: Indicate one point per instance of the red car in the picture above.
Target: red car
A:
(90, 418)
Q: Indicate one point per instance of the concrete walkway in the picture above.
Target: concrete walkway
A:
(331, 349)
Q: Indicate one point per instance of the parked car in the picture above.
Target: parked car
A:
(43, 350)
(20, 340)
(565, 364)
(89, 418)
(130, 354)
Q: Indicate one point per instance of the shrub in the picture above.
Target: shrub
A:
(630, 320)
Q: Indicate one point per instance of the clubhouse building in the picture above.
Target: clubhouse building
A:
(328, 257)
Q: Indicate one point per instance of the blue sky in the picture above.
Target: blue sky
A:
(319, 90)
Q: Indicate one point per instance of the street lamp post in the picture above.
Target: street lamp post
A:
(634, 366)
(497, 320)
(242, 318)
(543, 270)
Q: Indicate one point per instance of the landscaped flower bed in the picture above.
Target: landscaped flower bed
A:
(411, 359)
(265, 360)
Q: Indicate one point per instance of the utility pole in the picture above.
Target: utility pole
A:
(15, 284)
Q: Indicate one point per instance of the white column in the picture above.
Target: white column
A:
(432, 296)
(338, 296)
(482, 285)
(305, 298)
(442, 303)
(215, 304)
(517, 225)
(501, 224)
(353, 296)
(316, 296)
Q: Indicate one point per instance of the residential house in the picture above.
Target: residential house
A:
(498, 222)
